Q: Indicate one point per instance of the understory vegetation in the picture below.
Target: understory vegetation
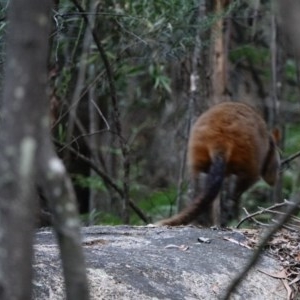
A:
(119, 87)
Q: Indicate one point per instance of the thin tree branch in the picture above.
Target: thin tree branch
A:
(274, 95)
(289, 159)
(116, 114)
(108, 181)
(78, 87)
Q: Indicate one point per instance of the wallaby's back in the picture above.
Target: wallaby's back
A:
(229, 139)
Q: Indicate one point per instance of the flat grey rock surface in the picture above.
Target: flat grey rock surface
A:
(126, 262)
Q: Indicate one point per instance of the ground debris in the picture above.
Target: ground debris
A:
(284, 247)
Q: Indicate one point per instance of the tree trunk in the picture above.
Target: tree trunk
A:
(24, 96)
(26, 152)
(218, 56)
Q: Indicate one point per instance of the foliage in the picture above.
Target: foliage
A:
(101, 218)
(91, 182)
(250, 53)
(292, 138)
(290, 69)
(160, 203)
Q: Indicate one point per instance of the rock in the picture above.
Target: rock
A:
(125, 262)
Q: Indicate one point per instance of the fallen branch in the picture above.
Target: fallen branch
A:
(262, 211)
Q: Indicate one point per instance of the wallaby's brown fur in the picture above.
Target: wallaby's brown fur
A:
(229, 139)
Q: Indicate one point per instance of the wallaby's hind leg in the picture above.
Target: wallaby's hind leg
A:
(205, 217)
(216, 211)
(230, 208)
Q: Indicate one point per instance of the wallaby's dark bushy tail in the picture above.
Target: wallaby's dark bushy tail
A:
(215, 178)
(212, 187)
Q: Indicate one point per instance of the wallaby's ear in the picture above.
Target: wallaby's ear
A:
(276, 135)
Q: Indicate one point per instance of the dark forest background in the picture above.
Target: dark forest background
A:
(127, 79)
